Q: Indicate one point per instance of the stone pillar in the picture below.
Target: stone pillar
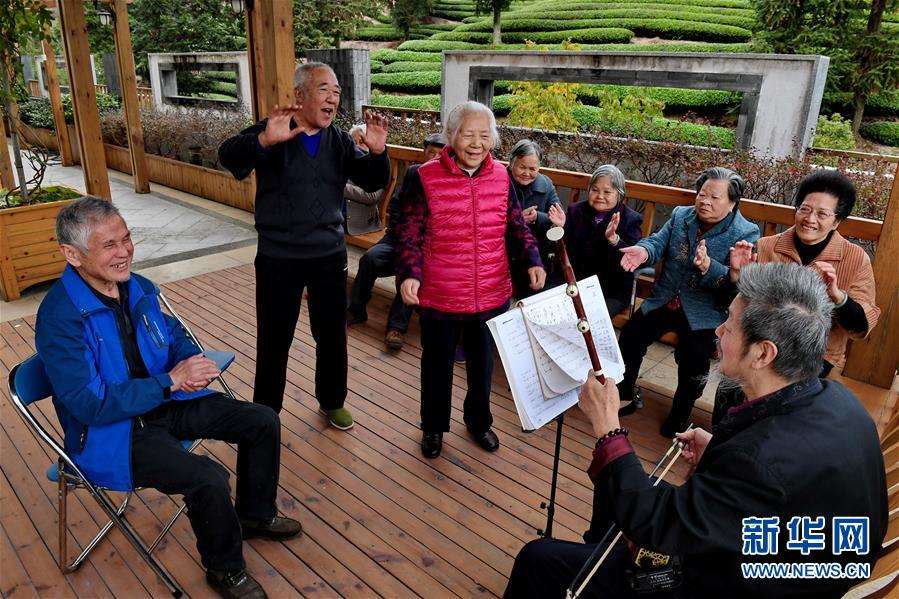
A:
(353, 71)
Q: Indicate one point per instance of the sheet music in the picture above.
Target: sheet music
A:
(549, 318)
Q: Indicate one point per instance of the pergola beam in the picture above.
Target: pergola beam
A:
(269, 26)
(7, 180)
(84, 97)
(59, 119)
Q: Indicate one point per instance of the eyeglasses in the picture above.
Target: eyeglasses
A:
(819, 214)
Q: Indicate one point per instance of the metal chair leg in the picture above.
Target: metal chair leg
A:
(166, 528)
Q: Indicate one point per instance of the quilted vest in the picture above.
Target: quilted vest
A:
(466, 267)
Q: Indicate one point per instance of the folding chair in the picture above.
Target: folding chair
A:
(28, 384)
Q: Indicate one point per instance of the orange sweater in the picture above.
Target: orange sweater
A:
(854, 276)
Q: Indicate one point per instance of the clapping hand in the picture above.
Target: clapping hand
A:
(701, 259)
(557, 215)
(376, 132)
(740, 255)
(612, 229)
(409, 291)
(277, 127)
(193, 373)
(632, 257)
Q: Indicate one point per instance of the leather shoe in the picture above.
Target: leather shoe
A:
(431, 444)
(235, 585)
(631, 405)
(278, 528)
(487, 440)
(355, 315)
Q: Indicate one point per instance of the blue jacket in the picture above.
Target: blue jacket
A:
(676, 242)
(78, 341)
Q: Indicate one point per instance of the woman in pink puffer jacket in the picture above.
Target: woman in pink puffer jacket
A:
(461, 222)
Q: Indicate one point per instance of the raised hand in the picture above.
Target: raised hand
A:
(701, 259)
(829, 275)
(740, 255)
(633, 257)
(557, 215)
(409, 291)
(277, 127)
(375, 132)
(537, 276)
(612, 229)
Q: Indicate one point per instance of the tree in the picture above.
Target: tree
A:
(325, 23)
(183, 26)
(22, 22)
(406, 14)
(496, 7)
(863, 58)
(877, 60)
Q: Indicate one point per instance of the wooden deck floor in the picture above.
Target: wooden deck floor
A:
(379, 519)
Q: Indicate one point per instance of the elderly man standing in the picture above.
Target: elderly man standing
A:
(772, 485)
(302, 163)
(129, 386)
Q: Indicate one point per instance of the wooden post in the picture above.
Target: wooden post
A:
(128, 83)
(7, 180)
(272, 59)
(874, 360)
(59, 119)
(84, 97)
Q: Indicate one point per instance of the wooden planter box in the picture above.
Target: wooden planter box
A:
(29, 252)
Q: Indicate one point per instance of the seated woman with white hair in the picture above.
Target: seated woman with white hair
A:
(462, 223)
(361, 210)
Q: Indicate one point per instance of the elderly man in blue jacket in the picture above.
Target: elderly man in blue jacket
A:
(129, 387)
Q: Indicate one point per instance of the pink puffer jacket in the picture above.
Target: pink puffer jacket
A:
(466, 268)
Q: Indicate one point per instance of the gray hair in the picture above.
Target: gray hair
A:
(360, 127)
(525, 147)
(735, 183)
(458, 115)
(304, 72)
(616, 177)
(75, 222)
(788, 305)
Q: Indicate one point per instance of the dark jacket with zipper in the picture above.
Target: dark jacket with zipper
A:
(299, 198)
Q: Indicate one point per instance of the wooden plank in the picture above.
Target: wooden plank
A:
(84, 97)
(16, 583)
(64, 144)
(31, 226)
(33, 249)
(130, 104)
(31, 261)
(7, 179)
(272, 60)
(874, 360)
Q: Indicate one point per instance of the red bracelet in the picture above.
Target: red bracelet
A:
(622, 430)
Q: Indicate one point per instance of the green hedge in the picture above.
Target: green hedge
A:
(406, 66)
(675, 99)
(423, 102)
(548, 21)
(561, 8)
(376, 66)
(880, 104)
(659, 129)
(597, 36)
(882, 132)
(386, 55)
(37, 112)
(418, 82)
(452, 14)
(433, 45)
(580, 5)
(667, 28)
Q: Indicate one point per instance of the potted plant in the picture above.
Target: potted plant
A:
(29, 252)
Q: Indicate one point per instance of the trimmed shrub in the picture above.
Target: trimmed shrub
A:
(882, 132)
(377, 34)
(599, 36)
(580, 5)
(548, 21)
(406, 67)
(452, 14)
(376, 66)
(834, 132)
(424, 102)
(424, 81)
(880, 104)
(433, 45)
(37, 112)
(675, 99)
(657, 129)
(387, 55)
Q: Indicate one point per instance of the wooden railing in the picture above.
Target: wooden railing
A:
(144, 95)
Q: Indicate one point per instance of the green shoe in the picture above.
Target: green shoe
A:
(339, 418)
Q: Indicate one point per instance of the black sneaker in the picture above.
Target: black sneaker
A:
(235, 585)
(278, 528)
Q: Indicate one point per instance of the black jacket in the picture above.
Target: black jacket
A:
(809, 450)
(299, 199)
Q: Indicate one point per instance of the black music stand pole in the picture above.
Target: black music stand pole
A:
(547, 532)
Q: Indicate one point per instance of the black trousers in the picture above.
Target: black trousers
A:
(379, 261)
(693, 354)
(438, 345)
(160, 461)
(279, 291)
